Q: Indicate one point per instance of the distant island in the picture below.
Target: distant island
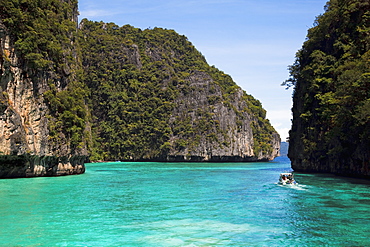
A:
(104, 92)
(284, 146)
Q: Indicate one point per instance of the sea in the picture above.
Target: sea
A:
(185, 204)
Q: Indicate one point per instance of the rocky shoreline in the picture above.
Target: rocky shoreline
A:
(26, 166)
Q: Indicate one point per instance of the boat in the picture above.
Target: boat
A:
(287, 178)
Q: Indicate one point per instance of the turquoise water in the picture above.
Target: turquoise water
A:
(185, 204)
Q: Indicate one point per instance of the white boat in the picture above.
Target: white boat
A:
(287, 178)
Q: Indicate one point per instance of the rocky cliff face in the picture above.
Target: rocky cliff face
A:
(23, 122)
(221, 132)
(25, 115)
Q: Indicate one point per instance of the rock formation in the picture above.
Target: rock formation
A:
(223, 134)
(25, 115)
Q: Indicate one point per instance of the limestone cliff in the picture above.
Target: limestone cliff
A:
(220, 131)
(23, 122)
(29, 68)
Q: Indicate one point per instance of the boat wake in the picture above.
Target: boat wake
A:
(293, 186)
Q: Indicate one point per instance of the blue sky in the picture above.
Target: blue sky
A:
(251, 40)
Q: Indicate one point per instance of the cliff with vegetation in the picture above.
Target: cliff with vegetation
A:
(42, 110)
(331, 101)
(115, 93)
(154, 97)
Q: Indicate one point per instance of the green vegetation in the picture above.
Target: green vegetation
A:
(68, 114)
(131, 102)
(42, 30)
(331, 79)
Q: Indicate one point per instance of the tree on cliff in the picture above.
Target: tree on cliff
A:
(331, 100)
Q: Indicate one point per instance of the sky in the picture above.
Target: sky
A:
(254, 41)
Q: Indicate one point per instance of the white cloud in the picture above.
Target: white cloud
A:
(284, 133)
(92, 13)
(279, 114)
